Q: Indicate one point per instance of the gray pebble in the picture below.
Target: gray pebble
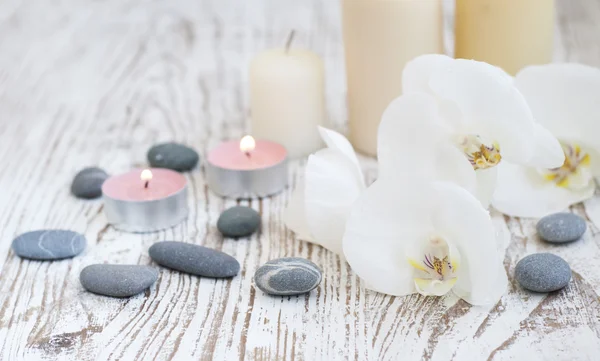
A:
(561, 227)
(194, 259)
(543, 272)
(287, 276)
(49, 244)
(88, 182)
(238, 222)
(173, 156)
(117, 280)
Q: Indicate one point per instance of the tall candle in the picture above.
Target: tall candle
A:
(380, 37)
(287, 99)
(508, 33)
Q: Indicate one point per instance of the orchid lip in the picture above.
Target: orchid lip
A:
(575, 172)
(481, 154)
(435, 269)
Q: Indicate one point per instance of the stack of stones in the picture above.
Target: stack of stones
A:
(546, 272)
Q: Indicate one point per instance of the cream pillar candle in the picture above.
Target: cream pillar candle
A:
(380, 37)
(508, 33)
(287, 99)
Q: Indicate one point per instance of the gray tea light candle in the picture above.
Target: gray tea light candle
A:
(247, 168)
(145, 200)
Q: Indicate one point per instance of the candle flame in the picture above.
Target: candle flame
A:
(247, 144)
(146, 175)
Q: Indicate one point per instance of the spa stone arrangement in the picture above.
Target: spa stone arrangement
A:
(460, 130)
(541, 272)
(140, 192)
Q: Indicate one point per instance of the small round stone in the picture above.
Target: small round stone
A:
(238, 222)
(117, 280)
(194, 259)
(543, 272)
(561, 227)
(87, 184)
(48, 245)
(287, 276)
(173, 156)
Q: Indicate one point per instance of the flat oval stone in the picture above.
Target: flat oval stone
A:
(287, 276)
(49, 244)
(117, 280)
(194, 259)
(561, 227)
(87, 184)
(173, 156)
(543, 272)
(238, 222)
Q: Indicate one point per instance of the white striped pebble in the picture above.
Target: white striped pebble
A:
(50, 244)
(287, 276)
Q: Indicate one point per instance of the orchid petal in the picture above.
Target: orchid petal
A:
(486, 185)
(386, 221)
(294, 215)
(496, 289)
(472, 232)
(594, 162)
(319, 206)
(490, 104)
(451, 165)
(565, 98)
(548, 152)
(523, 192)
(332, 186)
(407, 136)
(414, 143)
(335, 140)
(416, 73)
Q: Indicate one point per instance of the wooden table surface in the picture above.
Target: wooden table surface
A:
(98, 82)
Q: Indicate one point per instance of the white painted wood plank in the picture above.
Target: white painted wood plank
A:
(97, 83)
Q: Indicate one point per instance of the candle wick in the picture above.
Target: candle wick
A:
(146, 184)
(247, 154)
(289, 41)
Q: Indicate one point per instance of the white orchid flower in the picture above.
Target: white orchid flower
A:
(320, 205)
(564, 98)
(475, 118)
(405, 236)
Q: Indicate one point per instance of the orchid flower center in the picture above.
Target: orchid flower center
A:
(482, 155)
(575, 172)
(435, 271)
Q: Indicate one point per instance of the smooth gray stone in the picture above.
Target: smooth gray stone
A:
(49, 244)
(88, 182)
(238, 222)
(117, 280)
(561, 227)
(194, 259)
(543, 272)
(287, 276)
(173, 156)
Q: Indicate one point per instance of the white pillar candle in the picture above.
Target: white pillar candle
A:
(510, 34)
(380, 37)
(287, 99)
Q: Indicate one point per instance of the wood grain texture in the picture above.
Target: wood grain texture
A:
(98, 82)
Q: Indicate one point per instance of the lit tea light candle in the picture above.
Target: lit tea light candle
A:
(145, 200)
(247, 145)
(146, 177)
(247, 168)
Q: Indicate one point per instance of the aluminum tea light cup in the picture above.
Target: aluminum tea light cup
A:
(145, 200)
(247, 169)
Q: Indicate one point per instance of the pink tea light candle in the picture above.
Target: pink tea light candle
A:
(247, 168)
(145, 200)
